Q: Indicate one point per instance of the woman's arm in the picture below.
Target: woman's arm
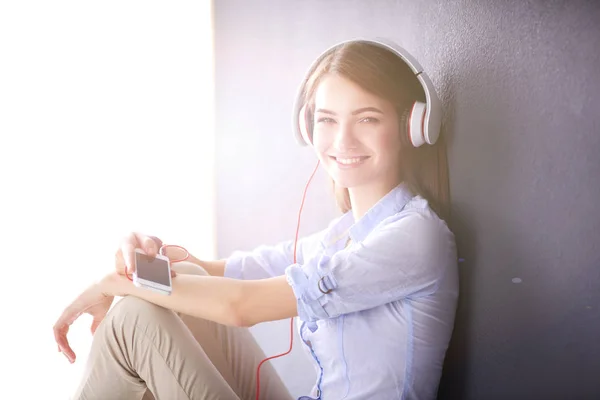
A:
(262, 262)
(223, 300)
(408, 256)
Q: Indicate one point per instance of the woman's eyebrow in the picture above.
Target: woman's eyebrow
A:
(355, 112)
(324, 111)
(365, 109)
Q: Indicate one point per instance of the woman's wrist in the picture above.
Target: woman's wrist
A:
(114, 284)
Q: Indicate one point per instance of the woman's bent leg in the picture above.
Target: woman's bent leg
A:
(234, 352)
(140, 345)
(236, 355)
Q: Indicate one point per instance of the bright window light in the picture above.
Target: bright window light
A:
(106, 126)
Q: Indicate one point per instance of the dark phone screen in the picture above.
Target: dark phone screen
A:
(152, 269)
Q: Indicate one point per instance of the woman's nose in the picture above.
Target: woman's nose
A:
(344, 138)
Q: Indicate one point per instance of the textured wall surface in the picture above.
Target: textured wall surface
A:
(520, 83)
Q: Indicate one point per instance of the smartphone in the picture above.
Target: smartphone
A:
(152, 273)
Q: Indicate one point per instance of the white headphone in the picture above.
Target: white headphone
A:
(424, 120)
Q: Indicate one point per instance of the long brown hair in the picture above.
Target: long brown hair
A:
(381, 72)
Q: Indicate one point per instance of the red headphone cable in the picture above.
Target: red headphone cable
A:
(291, 319)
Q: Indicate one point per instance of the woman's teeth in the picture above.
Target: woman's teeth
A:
(349, 161)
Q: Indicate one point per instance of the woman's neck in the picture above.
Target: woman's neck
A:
(363, 198)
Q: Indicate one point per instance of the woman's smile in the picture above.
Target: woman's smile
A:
(349, 162)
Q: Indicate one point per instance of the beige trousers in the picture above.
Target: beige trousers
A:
(141, 350)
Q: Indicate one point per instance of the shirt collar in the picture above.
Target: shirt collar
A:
(390, 204)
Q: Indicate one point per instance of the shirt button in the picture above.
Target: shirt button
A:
(319, 285)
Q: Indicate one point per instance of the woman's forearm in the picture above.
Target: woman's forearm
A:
(208, 297)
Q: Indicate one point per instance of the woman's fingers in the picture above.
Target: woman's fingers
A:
(120, 262)
(91, 301)
(128, 253)
(61, 328)
(147, 244)
(95, 323)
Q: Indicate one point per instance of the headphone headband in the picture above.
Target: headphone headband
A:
(422, 128)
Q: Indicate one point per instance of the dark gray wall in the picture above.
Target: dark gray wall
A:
(520, 84)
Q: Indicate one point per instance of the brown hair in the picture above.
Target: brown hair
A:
(383, 73)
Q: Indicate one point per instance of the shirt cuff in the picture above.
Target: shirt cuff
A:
(309, 288)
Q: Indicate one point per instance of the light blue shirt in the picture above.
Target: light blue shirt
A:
(376, 316)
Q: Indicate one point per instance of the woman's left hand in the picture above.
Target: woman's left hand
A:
(93, 301)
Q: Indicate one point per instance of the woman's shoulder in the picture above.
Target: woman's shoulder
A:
(418, 230)
(418, 214)
(419, 205)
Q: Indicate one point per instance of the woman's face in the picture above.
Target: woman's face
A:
(356, 135)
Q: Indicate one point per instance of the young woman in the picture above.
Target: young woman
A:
(374, 293)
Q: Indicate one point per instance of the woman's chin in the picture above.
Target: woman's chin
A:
(347, 182)
(349, 178)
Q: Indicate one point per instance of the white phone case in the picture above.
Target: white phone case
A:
(151, 285)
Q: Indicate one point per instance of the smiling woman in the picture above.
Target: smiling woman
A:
(367, 94)
(390, 258)
(356, 137)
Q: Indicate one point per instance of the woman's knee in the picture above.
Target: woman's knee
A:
(188, 268)
(134, 313)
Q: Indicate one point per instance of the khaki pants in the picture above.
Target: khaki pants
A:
(141, 350)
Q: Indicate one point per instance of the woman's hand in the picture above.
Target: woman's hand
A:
(125, 256)
(92, 301)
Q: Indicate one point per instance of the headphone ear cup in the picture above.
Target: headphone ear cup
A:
(305, 124)
(416, 122)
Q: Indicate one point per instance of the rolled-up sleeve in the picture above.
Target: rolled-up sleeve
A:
(263, 262)
(269, 261)
(406, 257)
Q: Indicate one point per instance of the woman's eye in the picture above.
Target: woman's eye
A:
(325, 120)
(370, 120)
